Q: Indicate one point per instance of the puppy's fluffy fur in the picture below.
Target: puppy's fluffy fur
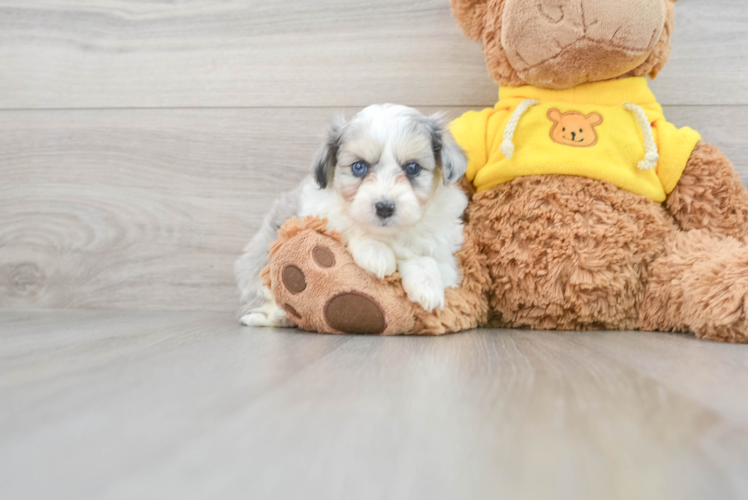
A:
(386, 180)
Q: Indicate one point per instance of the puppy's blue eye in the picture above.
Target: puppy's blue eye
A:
(412, 169)
(359, 168)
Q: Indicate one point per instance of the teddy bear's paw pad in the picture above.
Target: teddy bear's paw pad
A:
(354, 312)
(323, 256)
(293, 312)
(294, 279)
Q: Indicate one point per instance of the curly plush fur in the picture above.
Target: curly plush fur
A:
(700, 284)
(710, 195)
(552, 267)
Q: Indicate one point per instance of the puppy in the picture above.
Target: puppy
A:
(387, 181)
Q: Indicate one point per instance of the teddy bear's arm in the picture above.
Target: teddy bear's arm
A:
(710, 195)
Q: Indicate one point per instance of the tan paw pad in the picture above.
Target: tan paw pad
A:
(323, 257)
(294, 279)
(354, 312)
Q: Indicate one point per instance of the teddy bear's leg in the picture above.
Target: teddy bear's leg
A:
(710, 195)
(315, 280)
(566, 252)
(699, 284)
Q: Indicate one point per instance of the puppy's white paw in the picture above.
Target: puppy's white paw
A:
(254, 319)
(279, 318)
(373, 257)
(422, 282)
(269, 315)
(428, 295)
(449, 273)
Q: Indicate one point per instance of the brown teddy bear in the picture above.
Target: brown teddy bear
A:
(588, 209)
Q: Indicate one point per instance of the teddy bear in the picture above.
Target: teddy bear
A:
(588, 209)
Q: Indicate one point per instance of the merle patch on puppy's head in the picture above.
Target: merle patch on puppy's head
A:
(386, 164)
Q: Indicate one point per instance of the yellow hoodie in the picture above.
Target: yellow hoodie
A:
(611, 131)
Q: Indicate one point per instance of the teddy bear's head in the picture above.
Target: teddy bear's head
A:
(559, 44)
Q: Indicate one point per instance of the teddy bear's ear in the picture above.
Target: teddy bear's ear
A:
(594, 119)
(471, 16)
(554, 115)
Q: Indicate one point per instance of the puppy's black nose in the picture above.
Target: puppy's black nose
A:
(573, 135)
(385, 209)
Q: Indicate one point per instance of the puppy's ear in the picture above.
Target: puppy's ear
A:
(326, 158)
(449, 155)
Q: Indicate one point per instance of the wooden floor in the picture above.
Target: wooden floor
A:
(108, 405)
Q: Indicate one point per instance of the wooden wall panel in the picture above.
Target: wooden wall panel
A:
(148, 209)
(109, 53)
(126, 53)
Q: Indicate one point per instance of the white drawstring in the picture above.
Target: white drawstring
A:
(507, 146)
(653, 155)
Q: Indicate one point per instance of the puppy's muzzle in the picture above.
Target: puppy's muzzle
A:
(385, 209)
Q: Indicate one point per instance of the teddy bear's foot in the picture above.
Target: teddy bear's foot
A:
(700, 284)
(315, 280)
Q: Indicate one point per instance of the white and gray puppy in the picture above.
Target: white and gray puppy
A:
(387, 181)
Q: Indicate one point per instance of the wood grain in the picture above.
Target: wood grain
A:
(148, 209)
(111, 405)
(294, 53)
(133, 209)
(115, 53)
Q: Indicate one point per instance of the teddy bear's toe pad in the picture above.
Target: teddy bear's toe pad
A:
(354, 312)
(320, 287)
(294, 279)
(293, 312)
(323, 257)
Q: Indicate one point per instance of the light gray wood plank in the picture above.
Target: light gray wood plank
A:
(708, 60)
(140, 209)
(719, 125)
(148, 209)
(115, 53)
(677, 361)
(111, 405)
(120, 53)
